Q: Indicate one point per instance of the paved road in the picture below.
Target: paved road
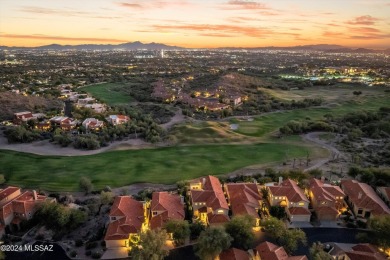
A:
(334, 152)
(324, 235)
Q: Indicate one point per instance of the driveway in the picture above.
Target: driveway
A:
(323, 235)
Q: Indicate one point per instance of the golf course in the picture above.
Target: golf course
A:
(207, 147)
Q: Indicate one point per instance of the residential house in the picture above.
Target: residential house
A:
(384, 193)
(235, 100)
(84, 101)
(287, 194)
(164, 207)
(97, 107)
(208, 201)
(43, 126)
(244, 199)
(327, 200)
(364, 251)
(233, 254)
(16, 206)
(21, 117)
(127, 219)
(269, 251)
(93, 124)
(118, 119)
(345, 251)
(363, 200)
(63, 122)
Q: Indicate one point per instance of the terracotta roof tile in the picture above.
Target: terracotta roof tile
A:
(234, 254)
(365, 251)
(7, 191)
(211, 193)
(130, 214)
(385, 191)
(290, 189)
(244, 198)
(170, 207)
(363, 196)
(269, 251)
(299, 211)
(217, 218)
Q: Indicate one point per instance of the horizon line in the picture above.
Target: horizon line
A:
(221, 47)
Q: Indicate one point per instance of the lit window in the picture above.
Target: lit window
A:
(301, 204)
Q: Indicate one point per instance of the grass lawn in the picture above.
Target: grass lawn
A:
(110, 93)
(264, 125)
(120, 168)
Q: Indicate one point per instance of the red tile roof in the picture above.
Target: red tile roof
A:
(26, 203)
(123, 117)
(217, 218)
(269, 251)
(299, 211)
(130, 214)
(324, 191)
(365, 252)
(169, 206)
(385, 191)
(327, 211)
(211, 193)
(7, 191)
(290, 189)
(244, 198)
(363, 196)
(234, 254)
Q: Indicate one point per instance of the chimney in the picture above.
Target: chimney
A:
(323, 178)
(203, 181)
(35, 194)
(360, 195)
(280, 180)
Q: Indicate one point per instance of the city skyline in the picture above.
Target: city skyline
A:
(197, 24)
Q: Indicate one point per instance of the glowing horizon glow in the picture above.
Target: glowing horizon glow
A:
(196, 24)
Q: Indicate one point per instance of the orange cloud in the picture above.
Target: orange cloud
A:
(248, 5)
(363, 20)
(153, 4)
(130, 5)
(365, 30)
(333, 34)
(62, 12)
(234, 30)
(59, 38)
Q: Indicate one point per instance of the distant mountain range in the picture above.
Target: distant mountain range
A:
(159, 46)
(126, 46)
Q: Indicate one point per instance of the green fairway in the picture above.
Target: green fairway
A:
(120, 168)
(263, 125)
(110, 93)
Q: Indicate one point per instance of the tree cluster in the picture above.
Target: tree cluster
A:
(290, 239)
(371, 176)
(59, 218)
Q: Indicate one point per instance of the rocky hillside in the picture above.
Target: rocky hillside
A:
(11, 103)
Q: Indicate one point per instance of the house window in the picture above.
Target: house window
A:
(154, 213)
(360, 211)
(113, 218)
(301, 204)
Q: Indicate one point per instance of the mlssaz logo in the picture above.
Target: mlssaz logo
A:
(38, 248)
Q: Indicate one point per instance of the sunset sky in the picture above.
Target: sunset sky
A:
(187, 23)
